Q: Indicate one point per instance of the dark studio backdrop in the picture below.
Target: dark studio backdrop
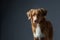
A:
(14, 24)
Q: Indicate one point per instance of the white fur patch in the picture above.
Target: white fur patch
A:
(34, 18)
(38, 33)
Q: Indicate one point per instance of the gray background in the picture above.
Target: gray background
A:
(14, 24)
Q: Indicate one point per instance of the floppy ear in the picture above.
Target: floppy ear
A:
(29, 14)
(44, 11)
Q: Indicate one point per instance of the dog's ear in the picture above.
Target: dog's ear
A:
(44, 11)
(29, 14)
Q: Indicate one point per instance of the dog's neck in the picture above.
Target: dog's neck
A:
(38, 29)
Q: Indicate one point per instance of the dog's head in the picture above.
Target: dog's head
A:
(36, 15)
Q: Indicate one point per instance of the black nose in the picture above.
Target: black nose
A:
(36, 21)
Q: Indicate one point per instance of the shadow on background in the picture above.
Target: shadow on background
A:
(14, 24)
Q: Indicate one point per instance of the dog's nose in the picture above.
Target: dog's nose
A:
(36, 21)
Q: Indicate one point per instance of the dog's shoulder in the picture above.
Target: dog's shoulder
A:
(49, 23)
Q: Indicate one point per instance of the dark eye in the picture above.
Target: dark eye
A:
(33, 14)
(38, 14)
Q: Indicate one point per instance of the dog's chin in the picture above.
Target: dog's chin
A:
(37, 22)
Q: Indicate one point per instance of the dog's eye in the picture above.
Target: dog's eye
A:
(38, 14)
(33, 14)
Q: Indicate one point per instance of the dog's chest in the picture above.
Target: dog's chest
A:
(38, 32)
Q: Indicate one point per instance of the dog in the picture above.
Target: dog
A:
(41, 28)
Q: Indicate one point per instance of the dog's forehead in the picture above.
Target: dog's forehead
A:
(35, 11)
